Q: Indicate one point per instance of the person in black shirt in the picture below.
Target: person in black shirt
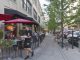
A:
(27, 42)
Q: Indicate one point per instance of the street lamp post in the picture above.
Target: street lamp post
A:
(62, 20)
(72, 39)
(62, 32)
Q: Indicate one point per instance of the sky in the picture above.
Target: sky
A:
(42, 2)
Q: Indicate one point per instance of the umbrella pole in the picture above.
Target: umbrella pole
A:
(17, 29)
(4, 32)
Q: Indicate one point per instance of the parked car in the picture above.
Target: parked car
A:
(75, 34)
(69, 31)
(66, 34)
(75, 39)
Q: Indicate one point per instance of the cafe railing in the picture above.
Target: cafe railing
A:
(17, 50)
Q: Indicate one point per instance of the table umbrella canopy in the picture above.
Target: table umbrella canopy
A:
(19, 21)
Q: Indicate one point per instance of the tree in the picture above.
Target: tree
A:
(52, 25)
(76, 18)
(62, 10)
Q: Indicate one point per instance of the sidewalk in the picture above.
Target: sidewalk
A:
(50, 50)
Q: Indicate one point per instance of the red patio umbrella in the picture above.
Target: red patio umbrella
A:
(19, 21)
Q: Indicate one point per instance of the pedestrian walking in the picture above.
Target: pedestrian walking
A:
(27, 43)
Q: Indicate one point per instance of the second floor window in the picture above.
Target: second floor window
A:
(35, 14)
(24, 4)
(38, 19)
(29, 8)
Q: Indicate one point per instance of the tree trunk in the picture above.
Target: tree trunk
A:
(54, 30)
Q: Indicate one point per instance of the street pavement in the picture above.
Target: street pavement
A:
(51, 50)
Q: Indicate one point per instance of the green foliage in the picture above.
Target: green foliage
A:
(1, 34)
(63, 10)
(52, 25)
(77, 20)
(6, 43)
(1, 42)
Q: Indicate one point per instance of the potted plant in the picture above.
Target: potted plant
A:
(1, 43)
(1, 34)
(7, 43)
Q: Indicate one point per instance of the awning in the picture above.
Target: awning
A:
(15, 13)
(19, 14)
(5, 16)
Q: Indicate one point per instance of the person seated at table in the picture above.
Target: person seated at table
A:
(15, 46)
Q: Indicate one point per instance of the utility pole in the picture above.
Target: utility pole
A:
(62, 20)
(72, 40)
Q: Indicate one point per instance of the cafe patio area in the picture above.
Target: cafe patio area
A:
(9, 51)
